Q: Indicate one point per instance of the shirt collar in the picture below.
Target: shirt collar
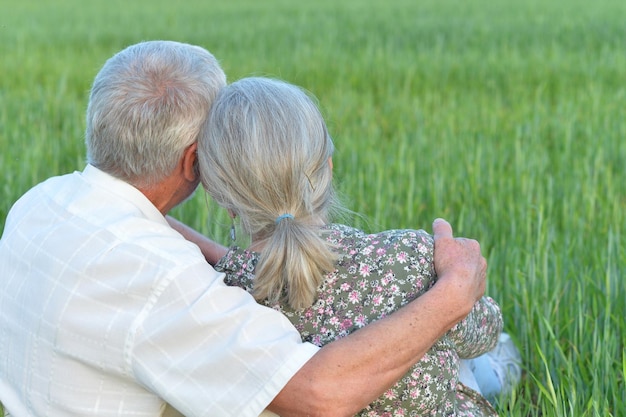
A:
(124, 190)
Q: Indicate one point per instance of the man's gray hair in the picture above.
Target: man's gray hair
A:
(146, 106)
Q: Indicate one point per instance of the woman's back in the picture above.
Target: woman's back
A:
(375, 275)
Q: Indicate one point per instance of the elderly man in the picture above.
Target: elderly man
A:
(107, 310)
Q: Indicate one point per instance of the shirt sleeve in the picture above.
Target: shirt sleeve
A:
(210, 349)
(478, 333)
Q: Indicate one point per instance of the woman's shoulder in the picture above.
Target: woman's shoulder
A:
(389, 246)
(413, 246)
(237, 260)
(238, 267)
(407, 237)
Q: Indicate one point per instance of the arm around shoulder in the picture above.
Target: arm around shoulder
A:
(348, 374)
(211, 250)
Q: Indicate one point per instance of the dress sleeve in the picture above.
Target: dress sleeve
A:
(478, 333)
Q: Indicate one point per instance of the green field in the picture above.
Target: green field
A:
(506, 118)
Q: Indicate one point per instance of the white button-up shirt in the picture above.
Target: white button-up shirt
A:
(105, 310)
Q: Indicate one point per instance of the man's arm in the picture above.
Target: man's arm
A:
(211, 250)
(348, 374)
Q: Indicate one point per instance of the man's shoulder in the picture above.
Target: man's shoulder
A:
(160, 240)
(56, 183)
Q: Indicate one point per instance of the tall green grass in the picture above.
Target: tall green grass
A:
(506, 118)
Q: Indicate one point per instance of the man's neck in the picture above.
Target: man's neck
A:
(168, 193)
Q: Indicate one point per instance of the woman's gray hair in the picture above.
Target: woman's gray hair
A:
(146, 106)
(265, 152)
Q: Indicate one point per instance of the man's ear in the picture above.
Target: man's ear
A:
(190, 163)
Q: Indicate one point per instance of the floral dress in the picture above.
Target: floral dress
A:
(375, 275)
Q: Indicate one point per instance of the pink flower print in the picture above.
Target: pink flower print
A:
(341, 304)
(331, 279)
(377, 300)
(381, 252)
(402, 257)
(354, 297)
(421, 248)
(346, 324)
(360, 320)
(364, 270)
(345, 286)
(390, 394)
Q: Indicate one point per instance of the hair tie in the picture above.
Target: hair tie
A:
(283, 216)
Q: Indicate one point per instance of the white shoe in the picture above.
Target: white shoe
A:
(498, 371)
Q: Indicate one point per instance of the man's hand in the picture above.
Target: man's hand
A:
(459, 266)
